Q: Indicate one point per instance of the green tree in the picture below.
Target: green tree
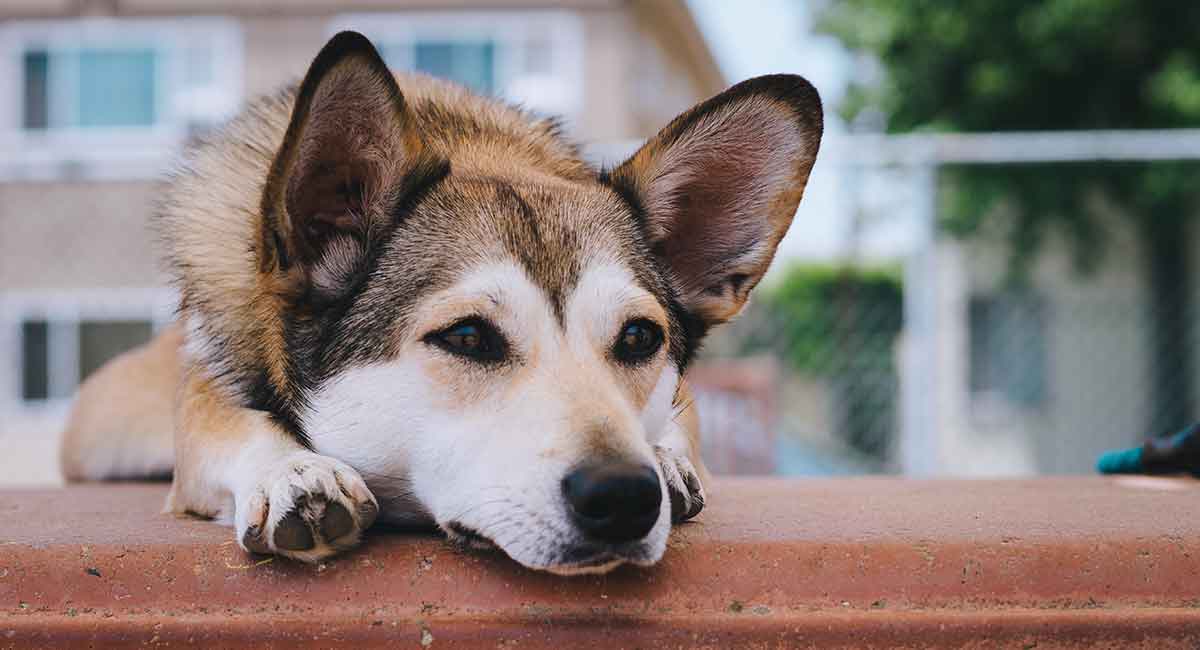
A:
(839, 324)
(1005, 65)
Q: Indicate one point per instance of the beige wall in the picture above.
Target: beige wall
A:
(77, 235)
(1097, 341)
(278, 49)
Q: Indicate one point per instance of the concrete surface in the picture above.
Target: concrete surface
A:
(1079, 562)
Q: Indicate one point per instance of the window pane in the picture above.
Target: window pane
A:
(100, 341)
(537, 57)
(35, 106)
(35, 360)
(1008, 347)
(198, 66)
(116, 88)
(436, 59)
(470, 64)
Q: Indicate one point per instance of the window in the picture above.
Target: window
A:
(98, 90)
(100, 341)
(56, 339)
(91, 87)
(469, 60)
(35, 360)
(533, 58)
(37, 105)
(53, 365)
(1008, 347)
(470, 64)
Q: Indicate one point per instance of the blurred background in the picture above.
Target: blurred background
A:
(990, 273)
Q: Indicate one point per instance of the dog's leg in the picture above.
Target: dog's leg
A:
(678, 454)
(237, 465)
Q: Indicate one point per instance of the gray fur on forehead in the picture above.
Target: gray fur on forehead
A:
(551, 230)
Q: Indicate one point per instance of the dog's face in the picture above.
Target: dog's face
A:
(519, 333)
(499, 348)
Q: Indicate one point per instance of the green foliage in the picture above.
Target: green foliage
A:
(832, 317)
(1005, 65)
(839, 324)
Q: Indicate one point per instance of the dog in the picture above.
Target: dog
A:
(403, 302)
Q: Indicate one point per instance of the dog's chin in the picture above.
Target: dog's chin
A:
(579, 558)
(573, 562)
(595, 567)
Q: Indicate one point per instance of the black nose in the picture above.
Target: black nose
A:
(615, 502)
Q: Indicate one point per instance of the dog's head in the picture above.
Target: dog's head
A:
(496, 345)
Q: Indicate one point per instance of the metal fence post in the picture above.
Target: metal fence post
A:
(919, 449)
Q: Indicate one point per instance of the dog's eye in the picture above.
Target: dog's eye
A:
(473, 338)
(639, 340)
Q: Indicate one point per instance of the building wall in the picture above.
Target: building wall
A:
(77, 235)
(1097, 342)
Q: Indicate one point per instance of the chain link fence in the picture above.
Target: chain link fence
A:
(1024, 364)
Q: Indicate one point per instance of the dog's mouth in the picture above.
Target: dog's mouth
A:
(579, 559)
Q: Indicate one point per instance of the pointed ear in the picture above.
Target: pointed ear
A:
(717, 188)
(349, 142)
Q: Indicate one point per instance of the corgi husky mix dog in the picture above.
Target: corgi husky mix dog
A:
(405, 302)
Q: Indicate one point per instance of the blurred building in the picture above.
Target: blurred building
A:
(991, 376)
(1051, 373)
(97, 96)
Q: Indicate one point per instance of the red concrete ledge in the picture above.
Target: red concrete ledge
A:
(854, 563)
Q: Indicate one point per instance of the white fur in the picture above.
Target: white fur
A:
(198, 346)
(492, 457)
(661, 406)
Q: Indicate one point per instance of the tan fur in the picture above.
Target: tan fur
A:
(688, 419)
(209, 430)
(122, 421)
(277, 211)
(219, 211)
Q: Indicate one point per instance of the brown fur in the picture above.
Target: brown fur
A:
(303, 234)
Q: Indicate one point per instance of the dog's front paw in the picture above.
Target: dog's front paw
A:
(683, 484)
(304, 506)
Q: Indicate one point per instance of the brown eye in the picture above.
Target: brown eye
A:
(464, 337)
(472, 338)
(639, 340)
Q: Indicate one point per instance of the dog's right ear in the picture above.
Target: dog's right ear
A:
(348, 146)
(717, 188)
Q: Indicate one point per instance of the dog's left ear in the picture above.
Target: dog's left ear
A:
(348, 150)
(717, 188)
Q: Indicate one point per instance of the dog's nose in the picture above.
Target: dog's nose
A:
(615, 502)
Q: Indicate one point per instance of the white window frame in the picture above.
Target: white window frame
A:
(65, 310)
(561, 30)
(114, 152)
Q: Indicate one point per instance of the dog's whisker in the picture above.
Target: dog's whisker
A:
(476, 507)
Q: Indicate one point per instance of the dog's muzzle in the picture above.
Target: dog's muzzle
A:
(613, 502)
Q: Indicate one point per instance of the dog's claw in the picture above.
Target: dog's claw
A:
(308, 507)
(252, 540)
(683, 484)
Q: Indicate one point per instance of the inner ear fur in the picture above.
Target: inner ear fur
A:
(717, 188)
(346, 146)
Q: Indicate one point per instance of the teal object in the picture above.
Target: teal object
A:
(1174, 454)
(1125, 461)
